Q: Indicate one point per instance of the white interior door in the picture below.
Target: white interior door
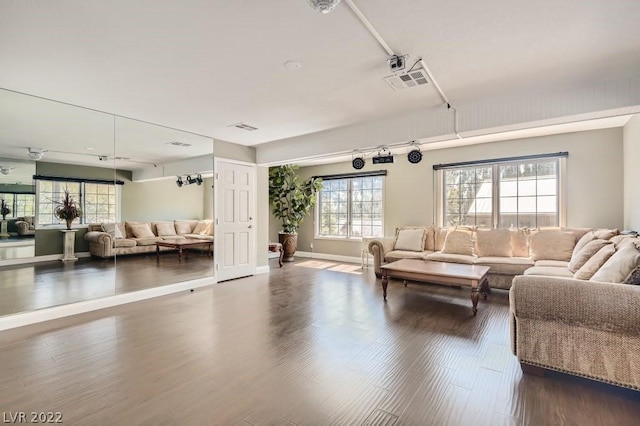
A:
(235, 254)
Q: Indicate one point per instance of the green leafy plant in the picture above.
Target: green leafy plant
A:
(67, 209)
(4, 209)
(291, 197)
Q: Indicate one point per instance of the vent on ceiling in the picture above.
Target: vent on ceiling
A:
(413, 78)
(121, 158)
(244, 126)
(176, 143)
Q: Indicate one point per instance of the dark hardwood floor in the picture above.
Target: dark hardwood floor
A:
(309, 343)
(41, 285)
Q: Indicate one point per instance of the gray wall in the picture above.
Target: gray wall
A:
(594, 183)
(161, 200)
(632, 174)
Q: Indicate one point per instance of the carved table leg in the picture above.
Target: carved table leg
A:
(474, 299)
(485, 288)
(385, 282)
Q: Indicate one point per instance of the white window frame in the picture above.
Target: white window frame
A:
(348, 237)
(439, 192)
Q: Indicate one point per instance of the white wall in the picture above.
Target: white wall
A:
(161, 200)
(631, 148)
(262, 211)
(594, 183)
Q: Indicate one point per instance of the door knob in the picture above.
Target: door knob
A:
(250, 227)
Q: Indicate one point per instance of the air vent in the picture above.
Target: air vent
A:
(244, 126)
(413, 78)
(121, 158)
(176, 143)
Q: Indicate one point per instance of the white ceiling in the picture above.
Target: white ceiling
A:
(202, 66)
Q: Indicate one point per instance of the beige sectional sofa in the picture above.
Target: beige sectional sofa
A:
(116, 239)
(574, 293)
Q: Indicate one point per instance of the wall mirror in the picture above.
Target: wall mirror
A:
(120, 171)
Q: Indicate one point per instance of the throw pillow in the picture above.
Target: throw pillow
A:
(459, 241)
(519, 242)
(494, 242)
(619, 266)
(166, 229)
(410, 239)
(586, 238)
(634, 277)
(440, 234)
(430, 241)
(201, 227)
(592, 265)
(580, 258)
(605, 234)
(183, 227)
(552, 245)
(112, 229)
(141, 230)
(622, 240)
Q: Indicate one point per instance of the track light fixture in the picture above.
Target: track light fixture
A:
(35, 154)
(415, 155)
(188, 180)
(358, 161)
(179, 182)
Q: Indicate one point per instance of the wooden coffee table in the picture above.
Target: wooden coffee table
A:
(182, 244)
(455, 274)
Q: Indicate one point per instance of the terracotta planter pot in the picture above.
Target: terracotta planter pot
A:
(289, 244)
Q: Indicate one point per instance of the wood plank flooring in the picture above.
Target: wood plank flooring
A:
(309, 343)
(41, 285)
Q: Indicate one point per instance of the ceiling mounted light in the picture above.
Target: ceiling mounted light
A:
(324, 6)
(35, 154)
(5, 170)
(415, 155)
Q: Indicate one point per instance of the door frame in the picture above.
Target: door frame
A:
(217, 242)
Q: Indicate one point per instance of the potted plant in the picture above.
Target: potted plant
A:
(292, 199)
(4, 209)
(67, 209)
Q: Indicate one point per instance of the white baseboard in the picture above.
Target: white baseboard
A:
(38, 259)
(327, 256)
(47, 314)
(262, 269)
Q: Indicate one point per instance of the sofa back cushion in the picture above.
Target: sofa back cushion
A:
(112, 229)
(619, 266)
(185, 226)
(519, 242)
(494, 242)
(460, 241)
(165, 229)
(141, 230)
(410, 239)
(128, 228)
(596, 261)
(551, 245)
(440, 235)
(585, 253)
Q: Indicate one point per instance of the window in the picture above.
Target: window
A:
(96, 200)
(350, 207)
(509, 193)
(21, 205)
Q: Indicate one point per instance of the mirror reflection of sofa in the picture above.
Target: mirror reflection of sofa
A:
(25, 226)
(116, 239)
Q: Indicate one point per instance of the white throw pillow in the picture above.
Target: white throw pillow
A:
(410, 240)
(141, 230)
(166, 229)
(586, 238)
(619, 266)
(183, 227)
(202, 228)
(585, 253)
(597, 260)
(112, 229)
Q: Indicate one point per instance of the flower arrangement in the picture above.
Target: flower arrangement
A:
(67, 209)
(4, 209)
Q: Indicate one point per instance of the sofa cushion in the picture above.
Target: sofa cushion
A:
(198, 237)
(554, 263)
(202, 227)
(440, 235)
(112, 229)
(394, 255)
(519, 242)
(410, 239)
(592, 265)
(184, 227)
(123, 242)
(128, 225)
(549, 271)
(165, 229)
(453, 258)
(580, 258)
(605, 234)
(494, 242)
(586, 238)
(619, 266)
(577, 232)
(141, 230)
(551, 245)
(623, 239)
(460, 241)
(150, 241)
(505, 265)
(430, 240)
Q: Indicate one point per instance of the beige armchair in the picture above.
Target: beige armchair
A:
(25, 226)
